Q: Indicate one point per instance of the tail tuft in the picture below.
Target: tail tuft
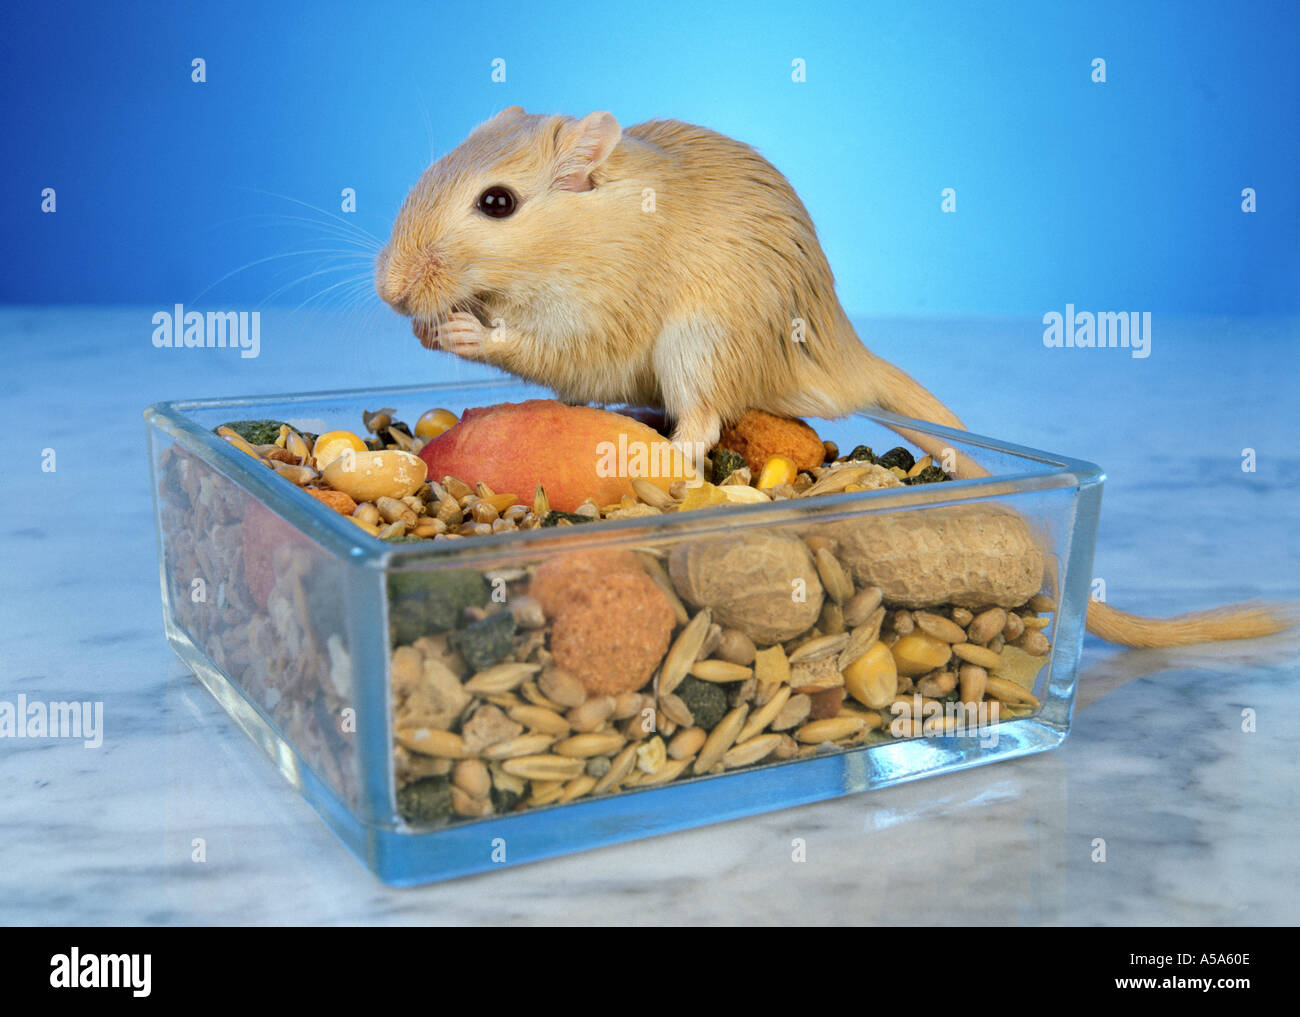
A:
(1237, 621)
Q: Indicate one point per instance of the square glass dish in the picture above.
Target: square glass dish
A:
(410, 691)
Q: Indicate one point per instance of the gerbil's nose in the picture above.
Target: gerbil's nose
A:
(391, 289)
(397, 276)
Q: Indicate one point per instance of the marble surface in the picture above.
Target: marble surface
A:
(1200, 818)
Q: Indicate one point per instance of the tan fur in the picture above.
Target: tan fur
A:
(718, 300)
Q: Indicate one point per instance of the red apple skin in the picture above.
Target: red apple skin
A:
(514, 447)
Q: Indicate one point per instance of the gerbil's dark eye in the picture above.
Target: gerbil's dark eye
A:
(497, 202)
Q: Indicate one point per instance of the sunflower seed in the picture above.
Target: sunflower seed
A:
(939, 627)
(1014, 627)
(973, 654)
(1009, 692)
(986, 625)
(861, 606)
(652, 494)
(1033, 643)
(974, 680)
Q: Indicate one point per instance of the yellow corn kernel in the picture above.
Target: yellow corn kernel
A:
(332, 444)
(916, 654)
(434, 422)
(872, 679)
(777, 470)
(500, 502)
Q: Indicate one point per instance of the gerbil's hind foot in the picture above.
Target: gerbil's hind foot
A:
(697, 432)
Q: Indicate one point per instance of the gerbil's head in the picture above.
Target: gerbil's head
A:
(493, 217)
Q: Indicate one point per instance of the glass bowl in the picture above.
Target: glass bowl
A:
(410, 693)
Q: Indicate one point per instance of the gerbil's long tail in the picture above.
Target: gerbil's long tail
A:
(1235, 621)
(896, 390)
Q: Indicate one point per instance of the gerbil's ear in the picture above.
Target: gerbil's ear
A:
(509, 110)
(581, 147)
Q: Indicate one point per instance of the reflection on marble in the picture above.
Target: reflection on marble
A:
(1199, 817)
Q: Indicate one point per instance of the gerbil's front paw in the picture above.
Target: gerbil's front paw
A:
(460, 333)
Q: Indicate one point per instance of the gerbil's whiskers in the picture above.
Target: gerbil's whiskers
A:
(356, 277)
(428, 121)
(330, 251)
(357, 230)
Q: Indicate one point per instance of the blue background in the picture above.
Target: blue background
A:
(1122, 195)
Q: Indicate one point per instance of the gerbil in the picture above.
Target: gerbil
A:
(662, 265)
